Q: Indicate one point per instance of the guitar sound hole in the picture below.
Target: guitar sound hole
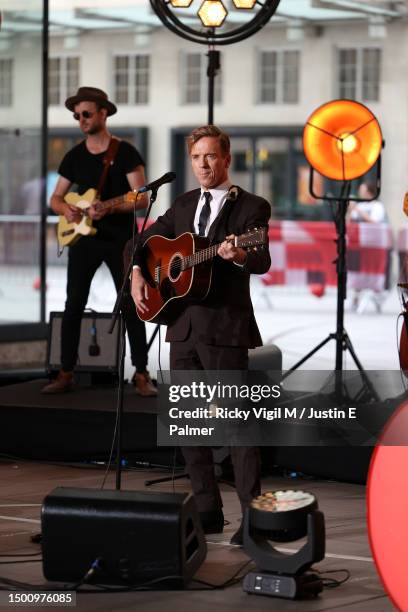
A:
(175, 268)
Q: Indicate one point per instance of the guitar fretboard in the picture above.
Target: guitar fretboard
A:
(111, 202)
(199, 256)
(250, 239)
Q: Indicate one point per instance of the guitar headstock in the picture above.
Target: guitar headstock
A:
(252, 238)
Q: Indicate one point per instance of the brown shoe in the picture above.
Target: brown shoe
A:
(62, 384)
(143, 384)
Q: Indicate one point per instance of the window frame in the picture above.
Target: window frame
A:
(280, 72)
(8, 58)
(131, 75)
(359, 84)
(63, 91)
(203, 97)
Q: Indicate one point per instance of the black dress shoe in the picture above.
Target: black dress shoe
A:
(238, 537)
(213, 521)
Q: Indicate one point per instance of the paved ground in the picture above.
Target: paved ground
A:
(292, 318)
(24, 485)
(296, 321)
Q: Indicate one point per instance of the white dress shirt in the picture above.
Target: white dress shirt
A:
(374, 209)
(218, 197)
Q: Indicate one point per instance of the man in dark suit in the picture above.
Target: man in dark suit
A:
(217, 332)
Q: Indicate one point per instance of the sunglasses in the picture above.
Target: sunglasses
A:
(83, 114)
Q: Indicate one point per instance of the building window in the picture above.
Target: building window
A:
(63, 78)
(359, 74)
(6, 81)
(278, 77)
(132, 78)
(195, 80)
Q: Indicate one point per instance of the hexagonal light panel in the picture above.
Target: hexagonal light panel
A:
(181, 3)
(212, 13)
(244, 4)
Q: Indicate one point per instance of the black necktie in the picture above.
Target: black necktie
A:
(204, 214)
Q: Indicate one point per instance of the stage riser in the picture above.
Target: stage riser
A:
(68, 435)
(79, 427)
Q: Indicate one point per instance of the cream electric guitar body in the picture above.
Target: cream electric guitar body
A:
(69, 233)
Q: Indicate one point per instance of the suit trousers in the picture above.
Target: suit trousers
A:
(84, 258)
(194, 355)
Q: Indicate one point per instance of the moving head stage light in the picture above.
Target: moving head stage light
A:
(284, 516)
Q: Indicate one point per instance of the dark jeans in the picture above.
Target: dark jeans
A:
(84, 258)
(246, 461)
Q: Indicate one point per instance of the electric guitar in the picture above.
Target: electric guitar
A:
(179, 270)
(70, 232)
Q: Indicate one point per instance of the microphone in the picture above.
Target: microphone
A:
(232, 193)
(94, 349)
(166, 178)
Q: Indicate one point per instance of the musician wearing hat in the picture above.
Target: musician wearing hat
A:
(82, 169)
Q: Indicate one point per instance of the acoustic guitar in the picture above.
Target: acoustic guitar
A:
(69, 233)
(178, 271)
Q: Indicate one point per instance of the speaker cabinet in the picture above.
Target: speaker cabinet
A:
(136, 536)
(98, 351)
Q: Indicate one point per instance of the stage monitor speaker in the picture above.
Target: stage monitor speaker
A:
(98, 351)
(135, 536)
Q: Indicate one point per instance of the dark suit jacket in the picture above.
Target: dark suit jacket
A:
(225, 317)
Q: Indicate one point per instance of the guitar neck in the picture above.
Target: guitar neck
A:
(200, 256)
(109, 203)
(252, 238)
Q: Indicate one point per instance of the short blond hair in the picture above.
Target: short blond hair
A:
(211, 131)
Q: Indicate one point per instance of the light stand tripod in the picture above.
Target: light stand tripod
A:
(341, 337)
(342, 140)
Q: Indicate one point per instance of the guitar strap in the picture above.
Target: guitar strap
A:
(107, 162)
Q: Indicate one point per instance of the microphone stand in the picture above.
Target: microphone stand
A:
(115, 315)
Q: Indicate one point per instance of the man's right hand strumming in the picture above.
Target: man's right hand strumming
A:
(139, 290)
(71, 213)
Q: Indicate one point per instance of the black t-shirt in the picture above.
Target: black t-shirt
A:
(84, 170)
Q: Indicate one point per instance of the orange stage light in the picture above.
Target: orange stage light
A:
(342, 140)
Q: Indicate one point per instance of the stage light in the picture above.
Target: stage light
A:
(212, 13)
(283, 516)
(181, 3)
(244, 4)
(342, 140)
(347, 143)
